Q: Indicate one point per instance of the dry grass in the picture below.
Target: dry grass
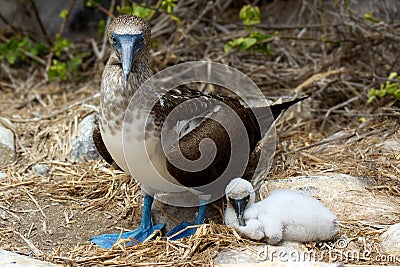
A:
(331, 53)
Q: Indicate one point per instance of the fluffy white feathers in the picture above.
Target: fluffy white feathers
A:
(283, 215)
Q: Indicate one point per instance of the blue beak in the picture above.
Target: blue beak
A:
(128, 47)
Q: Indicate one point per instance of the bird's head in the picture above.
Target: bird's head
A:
(129, 37)
(239, 193)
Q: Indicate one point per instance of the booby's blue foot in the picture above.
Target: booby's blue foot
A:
(146, 229)
(183, 229)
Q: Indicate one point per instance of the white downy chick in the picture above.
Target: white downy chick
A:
(284, 215)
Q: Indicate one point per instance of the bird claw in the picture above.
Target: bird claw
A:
(181, 231)
(136, 236)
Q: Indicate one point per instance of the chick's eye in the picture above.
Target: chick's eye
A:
(247, 198)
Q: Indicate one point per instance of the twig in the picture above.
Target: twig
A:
(319, 76)
(323, 142)
(345, 103)
(35, 11)
(4, 187)
(100, 54)
(58, 112)
(71, 5)
(35, 250)
(36, 203)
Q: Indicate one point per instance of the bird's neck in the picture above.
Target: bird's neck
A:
(141, 71)
(115, 96)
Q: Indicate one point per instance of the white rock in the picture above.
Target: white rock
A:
(83, 147)
(391, 240)
(7, 146)
(287, 254)
(346, 196)
(11, 259)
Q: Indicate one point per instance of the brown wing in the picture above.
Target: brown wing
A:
(208, 128)
(223, 139)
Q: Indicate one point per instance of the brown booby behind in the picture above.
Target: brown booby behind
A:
(126, 70)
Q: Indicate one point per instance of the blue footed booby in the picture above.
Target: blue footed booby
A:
(127, 69)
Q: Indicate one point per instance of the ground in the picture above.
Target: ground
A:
(52, 216)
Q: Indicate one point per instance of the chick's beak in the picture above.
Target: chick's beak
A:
(239, 205)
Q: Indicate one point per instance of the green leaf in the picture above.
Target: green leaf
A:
(11, 57)
(176, 19)
(168, 5)
(397, 94)
(57, 70)
(227, 48)
(368, 16)
(393, 75)
(64, 14)
(391, 88)
(101, 27)
(370, 99)
(60, 45)
(247, 43)
(250, 15)
(135, 9)
(141, 10)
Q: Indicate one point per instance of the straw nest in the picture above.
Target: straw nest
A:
(328, 51)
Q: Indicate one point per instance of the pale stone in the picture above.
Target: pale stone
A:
(391, 240)
(83, 148)
(11, 259)
(346, 196)
(286, 254)
(7, 146)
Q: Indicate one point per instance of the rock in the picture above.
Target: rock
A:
(83, 147)
(283, 264)
(344, 195)
(8, 259)
(7, 146)
(41, 170)
(391, 145)
(287, 254)
(391, 240)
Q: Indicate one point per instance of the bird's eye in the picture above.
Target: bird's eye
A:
(247, 198)
(113, 39)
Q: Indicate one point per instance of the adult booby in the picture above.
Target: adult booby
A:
(126, 70)
(283, 215)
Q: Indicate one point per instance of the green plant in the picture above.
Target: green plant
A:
(255, 40)
(17, 48)
(390, 87)
(135, 9)
(370, 17)
(60, 45)
(147, 12)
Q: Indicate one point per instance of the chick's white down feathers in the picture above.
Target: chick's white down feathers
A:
(283, 215)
